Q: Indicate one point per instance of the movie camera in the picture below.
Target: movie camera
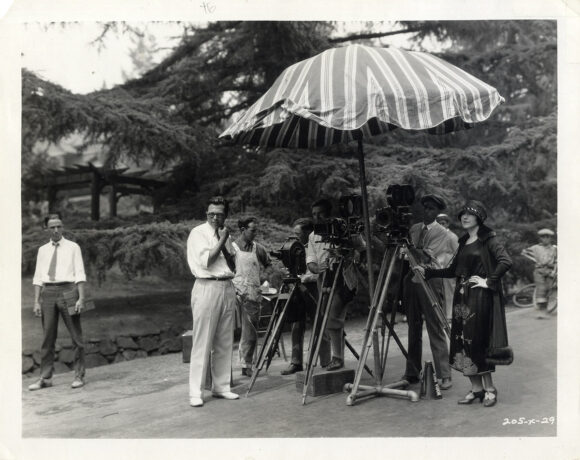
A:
(293, 255)
(338, 231)
(395, 219)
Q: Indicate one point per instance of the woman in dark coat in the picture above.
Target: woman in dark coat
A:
(478, 328)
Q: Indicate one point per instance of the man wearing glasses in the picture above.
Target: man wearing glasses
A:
(213, 299)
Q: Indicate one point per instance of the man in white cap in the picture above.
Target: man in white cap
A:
(59, 280)
(544, 256)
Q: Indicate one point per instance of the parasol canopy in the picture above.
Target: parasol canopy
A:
(356, 91)
(343, 93)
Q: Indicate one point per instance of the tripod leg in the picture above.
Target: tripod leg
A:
(278, 328)
(372, 329)
(311, 342)
(355, 354)
(272, 333)
(319, 335)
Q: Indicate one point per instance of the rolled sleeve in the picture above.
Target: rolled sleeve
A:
(310, 254)
(37, 279)
(197, 250)
(263, 256)
(79, 266)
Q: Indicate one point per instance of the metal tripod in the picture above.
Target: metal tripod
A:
(319, 325)
(274, 329)
(358, 391)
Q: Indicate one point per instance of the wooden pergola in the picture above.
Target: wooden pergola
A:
(93, 180)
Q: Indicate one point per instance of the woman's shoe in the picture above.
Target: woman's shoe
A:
(472, 396)
(490, 398)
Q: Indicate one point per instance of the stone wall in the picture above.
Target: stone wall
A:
(101, 351)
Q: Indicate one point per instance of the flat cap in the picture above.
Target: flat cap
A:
(435, 199)
(545, 231)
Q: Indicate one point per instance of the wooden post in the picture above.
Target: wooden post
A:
(113, 200)
(95, 196)
(51, 196)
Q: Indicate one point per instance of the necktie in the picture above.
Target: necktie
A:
(421, 238)
(52, 266)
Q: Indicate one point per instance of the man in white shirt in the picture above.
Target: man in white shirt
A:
(213, 300)
(318, 260)
(431, 239)
(545, 256)
(58, 281)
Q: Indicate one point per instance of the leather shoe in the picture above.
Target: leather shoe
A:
(41, 383)
(472, 396)
(247, 371)
(446, 383)
(195, 402)
(226, 395)
(410, 378)
(335, 364)
(77, 383)
(490, 398)
(292, 369)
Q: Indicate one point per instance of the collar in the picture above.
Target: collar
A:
(429, 226)
(483, 234)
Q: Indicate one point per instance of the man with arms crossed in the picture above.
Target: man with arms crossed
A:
(59, 283)
(213, 299)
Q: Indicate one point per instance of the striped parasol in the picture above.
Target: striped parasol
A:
(341, 93)
(357, 91)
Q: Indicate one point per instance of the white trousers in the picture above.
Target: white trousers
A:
(212, 307)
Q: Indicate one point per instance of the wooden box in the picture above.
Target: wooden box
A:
(325, 383)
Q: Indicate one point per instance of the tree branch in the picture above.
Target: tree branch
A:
(373, 35)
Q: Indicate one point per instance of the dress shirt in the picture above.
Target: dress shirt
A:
(316, 250)
(435, 242)
(543, 256)
(69, 263)
(199, 243)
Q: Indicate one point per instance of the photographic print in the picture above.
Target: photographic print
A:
(285, 230)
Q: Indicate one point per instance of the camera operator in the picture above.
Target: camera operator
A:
(304, 304)
(319, 257)
(431, 239)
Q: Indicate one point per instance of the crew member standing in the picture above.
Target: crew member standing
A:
(444, 259)
(318, 260)
(544, 256)
(430, 238)
(249, 257)
(304, 305)
(59, 283)
(213, 299)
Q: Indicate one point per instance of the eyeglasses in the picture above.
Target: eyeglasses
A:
(215, 215)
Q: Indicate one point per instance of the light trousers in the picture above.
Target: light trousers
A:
(212, 306)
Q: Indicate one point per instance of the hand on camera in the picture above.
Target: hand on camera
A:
(37, 310)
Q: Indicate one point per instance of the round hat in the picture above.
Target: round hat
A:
(545, 231)
(474, 207)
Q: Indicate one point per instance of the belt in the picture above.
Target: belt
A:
(216, 278)
(64, 283)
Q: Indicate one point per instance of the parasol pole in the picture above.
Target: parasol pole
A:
(367, 222)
